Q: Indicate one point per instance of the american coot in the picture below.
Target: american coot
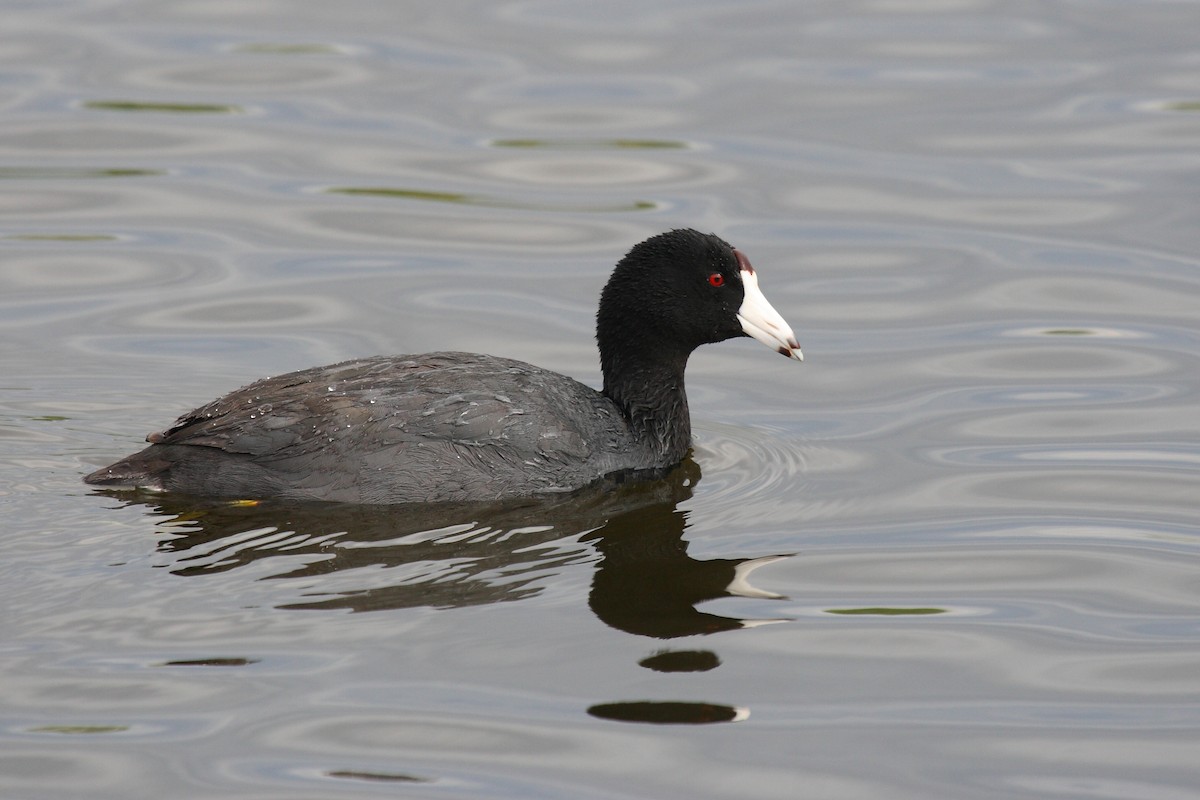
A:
(468, 427)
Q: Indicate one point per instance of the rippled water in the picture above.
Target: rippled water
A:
(955, 554)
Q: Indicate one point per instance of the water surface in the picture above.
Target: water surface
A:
(954, 554)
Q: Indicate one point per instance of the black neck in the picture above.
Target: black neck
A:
(649, 391)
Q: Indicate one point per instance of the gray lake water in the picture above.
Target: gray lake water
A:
(972, 517)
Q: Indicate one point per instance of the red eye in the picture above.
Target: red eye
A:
(716, 279)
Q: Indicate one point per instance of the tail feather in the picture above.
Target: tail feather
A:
(135, 472)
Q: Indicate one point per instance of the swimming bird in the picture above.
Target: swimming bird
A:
(466, 427)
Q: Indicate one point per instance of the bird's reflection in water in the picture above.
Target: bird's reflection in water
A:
(644, 583)
(451, 556)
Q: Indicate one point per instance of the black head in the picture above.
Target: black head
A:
(673, 292)
(679, 290)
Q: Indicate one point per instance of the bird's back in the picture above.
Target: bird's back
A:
(410, 428)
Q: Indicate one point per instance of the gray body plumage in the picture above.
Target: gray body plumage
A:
(426, 428)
